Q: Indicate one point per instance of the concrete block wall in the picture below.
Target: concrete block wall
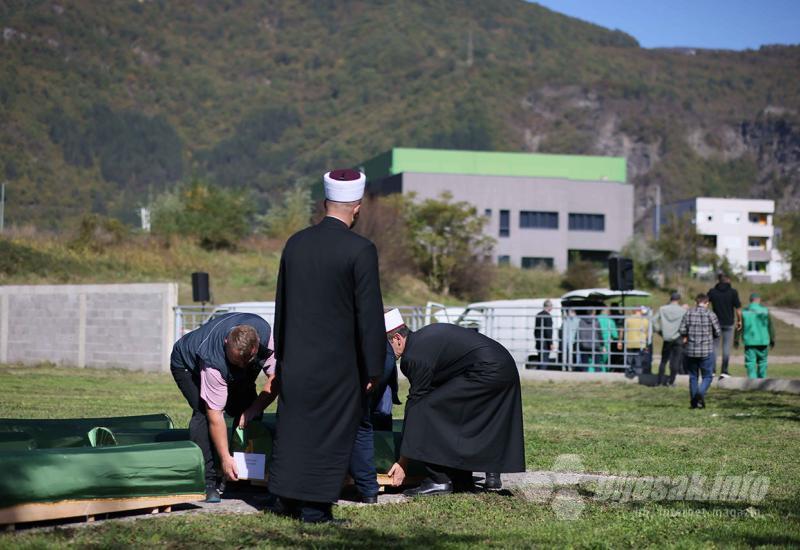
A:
(127, 325)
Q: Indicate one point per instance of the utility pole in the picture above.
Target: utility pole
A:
(657, 218)
(2, 206)
(470, 56)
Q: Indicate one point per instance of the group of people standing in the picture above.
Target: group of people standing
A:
(591, 338)
(324, 359)
(692, 337)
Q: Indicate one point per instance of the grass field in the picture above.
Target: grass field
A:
(618, 428)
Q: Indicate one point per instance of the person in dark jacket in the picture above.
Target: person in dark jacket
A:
(464, 407)
(329, 346)
(543, 334)
(215, 366)
(377, 415)
(727, 307)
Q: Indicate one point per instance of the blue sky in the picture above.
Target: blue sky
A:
(728, 24)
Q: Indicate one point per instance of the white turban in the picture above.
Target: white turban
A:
(344, 185)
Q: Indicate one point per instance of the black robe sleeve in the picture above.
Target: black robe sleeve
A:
(277, 328)
(369, 311)
(420, 378)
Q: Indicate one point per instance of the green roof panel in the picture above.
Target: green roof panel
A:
(490, 163)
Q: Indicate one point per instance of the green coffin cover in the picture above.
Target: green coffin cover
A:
(127, 436)
(72, 432)
(50, 475)
(16, 441)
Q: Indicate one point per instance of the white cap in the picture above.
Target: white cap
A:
(393, 319)
(344, 185)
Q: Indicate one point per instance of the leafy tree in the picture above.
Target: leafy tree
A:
(789, 243)
(216, 217)
(681, 246)
(647, 262)
(384, 221)
(448, 242)
(291, 214)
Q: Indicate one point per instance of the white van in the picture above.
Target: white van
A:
(511, 323)
(266, 310)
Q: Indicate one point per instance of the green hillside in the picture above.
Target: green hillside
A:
(104, 104)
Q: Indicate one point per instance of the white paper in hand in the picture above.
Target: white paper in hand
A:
(250, 465)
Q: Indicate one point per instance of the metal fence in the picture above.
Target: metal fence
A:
(574, 338)
(188, 318)
(589, 339)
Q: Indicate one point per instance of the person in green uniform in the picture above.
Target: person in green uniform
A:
(758, 333)
(609, 331)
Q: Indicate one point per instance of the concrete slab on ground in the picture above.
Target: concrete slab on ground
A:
(731, 383)
(787, 315)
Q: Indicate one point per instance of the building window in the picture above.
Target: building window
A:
(587, 222)
(757, 267)
(504, 260)
(505, 223)
(759, 243)
(488, 213)
(538, 220)
(537, 263)
(758, 217)
(710, 241)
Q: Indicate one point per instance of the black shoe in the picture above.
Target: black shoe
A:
(701, 403)
(493, 481)
(276, 505)
(693, 403)
(428, 488)
(212, 493)
(370, 500)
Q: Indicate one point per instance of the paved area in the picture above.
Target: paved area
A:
(248, 499)
(731, 383)
(787, 315)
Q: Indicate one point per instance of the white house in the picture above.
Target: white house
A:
(742, 231)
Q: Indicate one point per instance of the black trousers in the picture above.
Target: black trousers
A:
(239, 398)
(671, 352)
(461, 479)
(305, 511)
(362, 458)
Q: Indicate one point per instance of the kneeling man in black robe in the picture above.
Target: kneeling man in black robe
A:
(464, 407)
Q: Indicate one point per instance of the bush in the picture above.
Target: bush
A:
(580, 274)
(383, 221)
(216, 217)
(290, 215)
(97, 233)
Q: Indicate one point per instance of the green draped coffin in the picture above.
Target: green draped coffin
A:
(73, 432)
(126, 471)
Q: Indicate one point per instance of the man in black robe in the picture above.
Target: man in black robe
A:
(330, 346)
(464, 407)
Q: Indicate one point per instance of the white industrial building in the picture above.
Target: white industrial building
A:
(742, 231)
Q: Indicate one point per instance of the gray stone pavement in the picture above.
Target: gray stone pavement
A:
(787, 315)
(248, 499)
(731, 383)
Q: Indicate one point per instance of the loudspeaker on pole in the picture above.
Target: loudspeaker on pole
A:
(200, 287)
(620, 273)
